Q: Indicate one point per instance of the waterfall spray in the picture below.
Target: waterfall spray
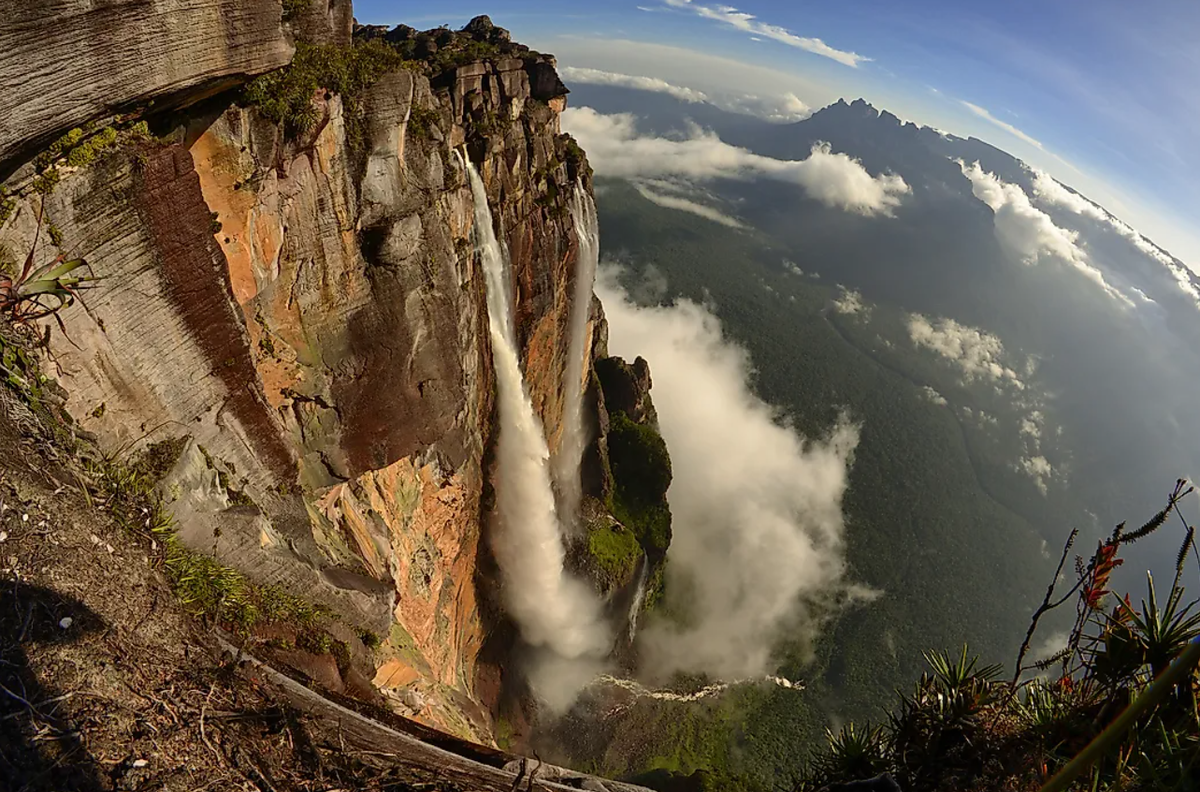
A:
(567, 460)
(552, 609)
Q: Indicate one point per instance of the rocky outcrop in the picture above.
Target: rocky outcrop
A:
(68, 62)
(308, 312)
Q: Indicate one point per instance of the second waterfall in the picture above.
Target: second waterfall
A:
(575, 437)
(552, 609)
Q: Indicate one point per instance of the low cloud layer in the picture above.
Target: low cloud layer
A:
(653, 84)
(781, 108)
(758, 528)
(748, 23)
(1047, 189)
(784, 108)
(687, 205)
(1028, 232)
(615, 148)
(976, 352)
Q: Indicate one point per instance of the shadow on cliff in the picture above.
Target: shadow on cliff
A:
(39, 749)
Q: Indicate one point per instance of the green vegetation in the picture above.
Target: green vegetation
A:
(8, 205)
(78, 147)
(641, 470)
(1121, 714)
(294, 8)
(573, 154)
(19, 372)
(286, 96)
(30, 293)
(422, 121)
(202, 584)
(615, 550)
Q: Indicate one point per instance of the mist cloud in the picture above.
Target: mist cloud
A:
(687, 205)
(615, 148)
(1028, 232)
(758, 528)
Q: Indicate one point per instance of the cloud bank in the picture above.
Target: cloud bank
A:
(615, 148)
(653, 84)
(748, 23)
(1028, 232)
(758, 528)
(1047, 189)
(782, 108)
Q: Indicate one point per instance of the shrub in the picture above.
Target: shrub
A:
(286, 96)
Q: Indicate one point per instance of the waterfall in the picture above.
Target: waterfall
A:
(574, 439)
(639, 596)
(552, 609)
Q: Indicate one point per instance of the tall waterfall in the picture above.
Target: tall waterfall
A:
(567, 461)
(552, 609)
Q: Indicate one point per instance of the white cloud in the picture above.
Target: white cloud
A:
(686, 205)
(850, 302)
(1031, 425)
(1028, 232)
(977, 352)
(615, 148)
(1047, 188)
(748, 23)
(758, 533)
(597, 77)
(781, 109)
(933, 396)
(1007, 127)
(1039, 469)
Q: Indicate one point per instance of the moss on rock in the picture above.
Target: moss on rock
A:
(615, 551)
(641, 468)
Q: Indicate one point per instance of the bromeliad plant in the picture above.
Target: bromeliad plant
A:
(32, 293)
(1116, 709)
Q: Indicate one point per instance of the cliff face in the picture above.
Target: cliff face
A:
(95, 59)
(304, 308)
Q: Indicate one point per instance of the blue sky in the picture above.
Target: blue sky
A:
(1103, 94)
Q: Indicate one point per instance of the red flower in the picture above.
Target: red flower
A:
(1104, 562)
